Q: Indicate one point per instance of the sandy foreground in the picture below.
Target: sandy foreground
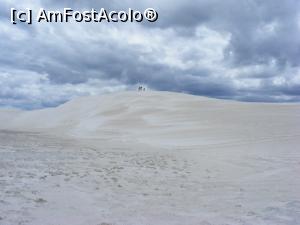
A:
(151, 158)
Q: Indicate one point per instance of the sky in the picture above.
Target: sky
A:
(247, 50)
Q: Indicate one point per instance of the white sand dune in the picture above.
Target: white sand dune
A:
(151, 158)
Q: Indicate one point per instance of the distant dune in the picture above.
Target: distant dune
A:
(163, 118)
(145, 158)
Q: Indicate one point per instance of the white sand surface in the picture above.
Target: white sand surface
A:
(151, 158)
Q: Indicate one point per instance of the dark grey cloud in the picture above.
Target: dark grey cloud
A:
(247, 50)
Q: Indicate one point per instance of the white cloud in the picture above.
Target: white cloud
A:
(21, 88)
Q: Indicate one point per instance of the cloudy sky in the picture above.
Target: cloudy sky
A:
(247, 50)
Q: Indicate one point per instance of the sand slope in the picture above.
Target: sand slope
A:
(165, 118)
(151, 158)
